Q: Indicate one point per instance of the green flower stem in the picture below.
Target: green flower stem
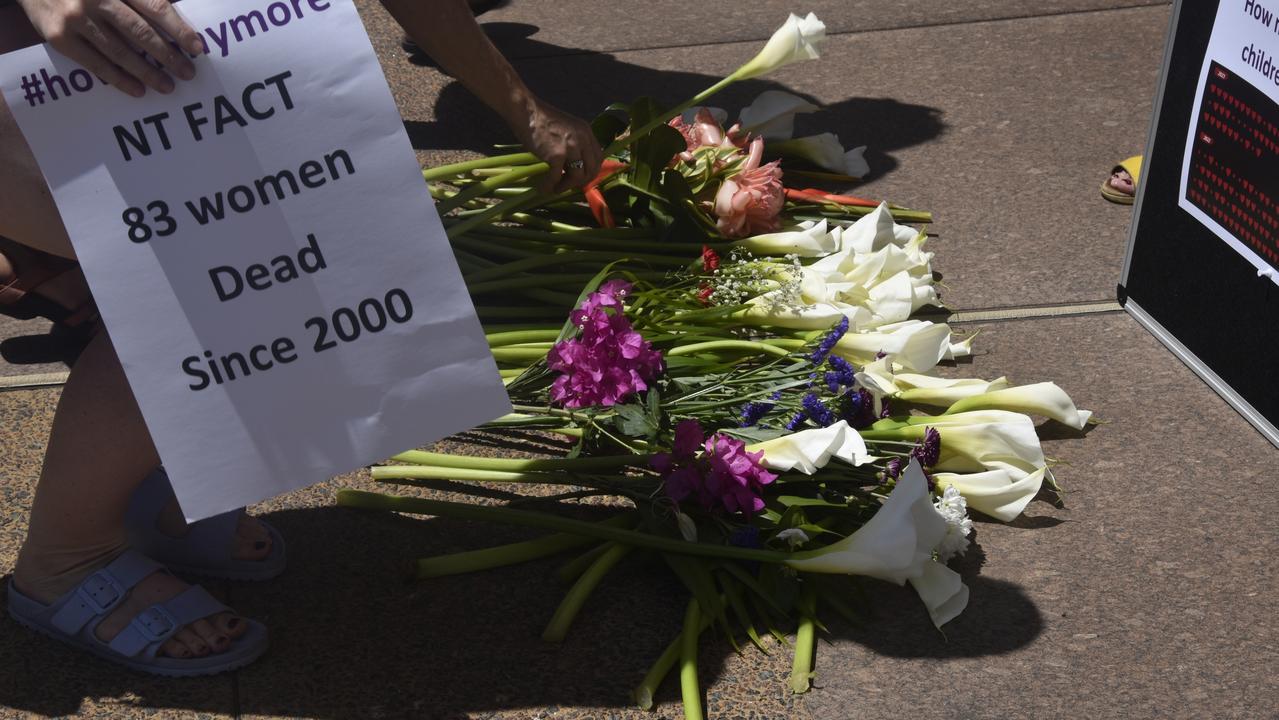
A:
(546, 521)
(430, 472)
(455, 169)
(516, 420)
(643, 695)
(510, 354)
(515, 337)
(545, 280)
(512, 554)
(558, 627)
(801, 676)
(538, 227)
(573, 569)
(511, 373)
(581, 464)
(506, 250)
(759, 347)
(481, 188)
(494, 213)
(688, 686)
(637, 133)
(493, 312)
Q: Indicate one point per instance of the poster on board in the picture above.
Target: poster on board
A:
(1230, 171)
(264, 252)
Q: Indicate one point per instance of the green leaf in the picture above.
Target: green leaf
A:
(608, 125)
(632, 420)
(697, 578)
(751, 435)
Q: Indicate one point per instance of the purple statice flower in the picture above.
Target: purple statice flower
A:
(828, 343)
(928, 451)
(841, 374)
(858, 408)
(723, 477)
(881, 355)
(609, 361)
(794, 423)
(893, 468)
(753, 412)
(817, 411)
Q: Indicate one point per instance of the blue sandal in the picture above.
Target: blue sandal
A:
(206, 548)
(75, 616)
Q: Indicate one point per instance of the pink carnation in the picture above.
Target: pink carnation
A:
(723, 477)
(609, 362)
(750, 202)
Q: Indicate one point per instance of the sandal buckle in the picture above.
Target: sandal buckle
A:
(101, 592)
(155, 623)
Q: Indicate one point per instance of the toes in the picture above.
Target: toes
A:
(175, 648)
(195, 645)
(230, 624)
(214, 638)
(253, 542)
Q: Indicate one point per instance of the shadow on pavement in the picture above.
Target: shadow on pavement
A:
(352, 637)
(584, 83)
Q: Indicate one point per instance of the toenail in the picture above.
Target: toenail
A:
(222, 640)
(233, 623)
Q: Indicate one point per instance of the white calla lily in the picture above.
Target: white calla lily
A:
(794, 41)
(974, 441)
(1045, 399)
(826, 152)
(807, 451)
(916, 345)
(772, 114)
(1002, 494)
(894, 545)
(942, 392)
(963, 348)
(943, 592)
(812, 239)
(877, 229)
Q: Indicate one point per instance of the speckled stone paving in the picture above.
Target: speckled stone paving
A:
(1149, 594)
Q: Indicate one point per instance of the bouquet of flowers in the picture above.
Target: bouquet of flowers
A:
(745, 371)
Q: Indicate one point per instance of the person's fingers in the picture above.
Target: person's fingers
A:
(593, 157)
(142, 35)
(163, 16)
(79, 50)
(556, 162)
(109, 43)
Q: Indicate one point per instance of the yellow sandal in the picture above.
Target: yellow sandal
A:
(1132, 166)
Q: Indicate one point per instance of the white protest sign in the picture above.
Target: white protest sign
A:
(1229, 180)
(264, 251)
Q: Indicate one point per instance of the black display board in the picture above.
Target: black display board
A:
(1203, 298)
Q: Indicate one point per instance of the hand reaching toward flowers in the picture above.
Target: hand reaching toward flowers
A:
(447, 31)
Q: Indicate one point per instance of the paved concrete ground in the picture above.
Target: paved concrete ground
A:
(1149, 595)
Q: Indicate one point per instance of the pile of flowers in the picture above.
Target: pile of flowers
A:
(749, 372)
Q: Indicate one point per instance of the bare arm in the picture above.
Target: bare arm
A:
(448, 32)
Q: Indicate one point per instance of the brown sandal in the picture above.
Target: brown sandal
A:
(31, 270)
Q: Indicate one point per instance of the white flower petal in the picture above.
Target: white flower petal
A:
(772, 114)
(795, 40)
(1002, 494)
(1045, 399)
(943, 592)
(855, 163)
(894, 545)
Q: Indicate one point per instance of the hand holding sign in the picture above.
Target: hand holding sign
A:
(101, 35)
